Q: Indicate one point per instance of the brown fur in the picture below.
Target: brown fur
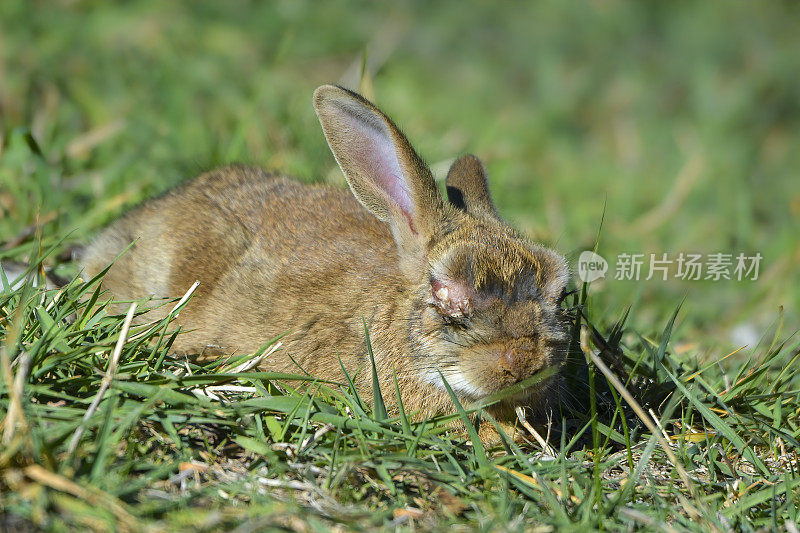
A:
(274, 256)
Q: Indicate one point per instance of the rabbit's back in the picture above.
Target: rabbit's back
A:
(271, 255)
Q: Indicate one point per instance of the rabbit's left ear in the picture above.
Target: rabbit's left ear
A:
(384, 172)
(468, 188)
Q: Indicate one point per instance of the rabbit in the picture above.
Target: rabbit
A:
(446, 289)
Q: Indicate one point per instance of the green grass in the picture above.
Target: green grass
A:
(675, 124)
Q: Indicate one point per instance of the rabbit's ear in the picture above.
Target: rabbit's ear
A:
(381, 167)
(467, 187)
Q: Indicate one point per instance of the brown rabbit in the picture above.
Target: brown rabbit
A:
(445, 288)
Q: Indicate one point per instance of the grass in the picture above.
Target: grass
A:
(675, 124)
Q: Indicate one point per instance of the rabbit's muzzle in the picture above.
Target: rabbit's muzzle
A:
(512, 363)
(508, 363)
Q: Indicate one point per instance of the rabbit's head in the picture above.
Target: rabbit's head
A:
(484, 303)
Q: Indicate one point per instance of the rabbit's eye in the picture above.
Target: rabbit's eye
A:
(453, 302)
(457, 322)
(450, 300)
(455, 319)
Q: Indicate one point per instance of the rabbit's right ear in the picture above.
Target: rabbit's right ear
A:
(468, 187)
(383, 170)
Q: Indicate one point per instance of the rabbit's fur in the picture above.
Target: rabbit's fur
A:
(446, 288)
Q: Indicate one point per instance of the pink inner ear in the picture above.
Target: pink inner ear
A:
(375, 154)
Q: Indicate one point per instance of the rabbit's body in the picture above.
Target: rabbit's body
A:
(261, 247)
(446, 289)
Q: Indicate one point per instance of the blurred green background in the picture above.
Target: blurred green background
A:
(679, 123)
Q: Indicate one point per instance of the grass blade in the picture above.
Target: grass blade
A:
(379, 407)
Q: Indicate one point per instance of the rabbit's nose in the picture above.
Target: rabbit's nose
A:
(511, 362)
